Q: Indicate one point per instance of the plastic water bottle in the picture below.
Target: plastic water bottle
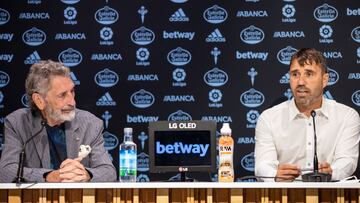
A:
(128, 158)
(226, 151)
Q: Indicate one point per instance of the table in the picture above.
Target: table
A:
(197, 192)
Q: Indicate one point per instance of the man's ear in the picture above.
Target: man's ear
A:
(39, 101)
(325, 79)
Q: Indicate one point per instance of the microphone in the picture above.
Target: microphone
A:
(316, 176)
(20, 172)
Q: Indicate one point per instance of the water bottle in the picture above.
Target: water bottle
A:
(128, 158)
(226, 152)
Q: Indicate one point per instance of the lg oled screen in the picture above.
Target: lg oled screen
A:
(191, 145)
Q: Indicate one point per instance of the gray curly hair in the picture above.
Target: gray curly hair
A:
(38, 78)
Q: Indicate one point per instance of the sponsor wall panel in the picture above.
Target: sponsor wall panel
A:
(135, 62)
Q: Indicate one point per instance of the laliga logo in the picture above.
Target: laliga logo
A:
(356, 98)
(355, 34)
(4, 16)
(252, 35)
(284, 55)
(110, 141)
(215, 77)
(142, 162)
(179, 57)
(248, 162)
(142, 36)
(70, 57)
(34, 37)
(215, 14)
(106, 16)
(142, 99)
(179, 116)
(325, 13)
(4, 79)
(333, 77)
(106, 78)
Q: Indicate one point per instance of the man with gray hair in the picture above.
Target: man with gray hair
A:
(51, 132)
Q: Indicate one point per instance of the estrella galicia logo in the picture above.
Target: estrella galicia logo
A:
(142, 99)
(179, 115)
(70, 1)
(106, 78)
(34, 37)
(252, 98)
(110, 141)
(356, 98)
(284, 55)
(325, 13)
(25, 100)
(215, 77)
(333, 77)
(106, 16)
(179, 57)
(248, 162)
(4, 79)
(252, 35)
(355, 34)
(70, 57)
(142, 162)
(4, 16)
(142, 36)
(179, 1)
(215, 14)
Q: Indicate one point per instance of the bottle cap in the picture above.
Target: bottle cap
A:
(225, 129)
(128, 130)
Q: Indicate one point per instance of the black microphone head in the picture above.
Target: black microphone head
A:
(313, 113)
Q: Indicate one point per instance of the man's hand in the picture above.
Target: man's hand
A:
(71, 170)
(287, 172)
(325, 167)
(53, 177)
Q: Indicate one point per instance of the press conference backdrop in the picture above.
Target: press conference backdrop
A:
(136, 61)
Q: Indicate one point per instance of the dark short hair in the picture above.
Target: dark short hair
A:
(38, 78)
(310, 56)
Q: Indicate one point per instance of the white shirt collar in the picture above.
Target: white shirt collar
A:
(295, 113)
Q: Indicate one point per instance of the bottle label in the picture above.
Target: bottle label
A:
(226, 169)
(127, 162)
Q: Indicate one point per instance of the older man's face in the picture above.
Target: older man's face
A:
(60, 101)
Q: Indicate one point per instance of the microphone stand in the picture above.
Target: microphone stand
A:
(316, 176)
(20, 172)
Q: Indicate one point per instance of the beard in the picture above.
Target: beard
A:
(308, 98)
(59, 115)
